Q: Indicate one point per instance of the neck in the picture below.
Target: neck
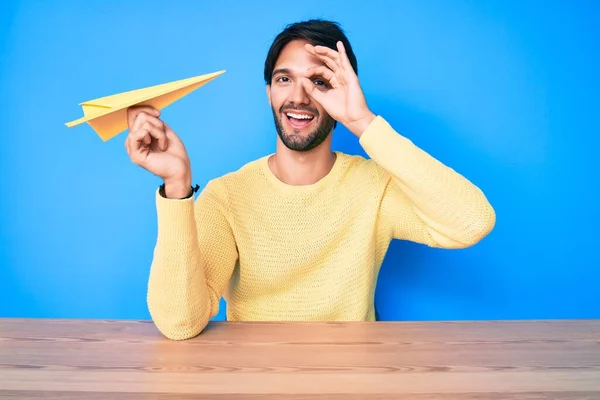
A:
(302, 168)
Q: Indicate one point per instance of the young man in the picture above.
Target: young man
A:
(298, 235)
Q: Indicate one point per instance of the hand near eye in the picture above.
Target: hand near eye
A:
(342, 97)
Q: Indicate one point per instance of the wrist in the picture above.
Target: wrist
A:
(360, 125)
(178, 188)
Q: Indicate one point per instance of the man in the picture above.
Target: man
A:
(299, 234)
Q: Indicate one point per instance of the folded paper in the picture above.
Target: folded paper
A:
(108, 115)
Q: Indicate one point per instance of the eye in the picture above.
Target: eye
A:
(321, 82)
(282, 79)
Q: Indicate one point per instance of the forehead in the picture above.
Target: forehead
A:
(295, 57)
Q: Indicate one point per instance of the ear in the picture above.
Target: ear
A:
(269, 95)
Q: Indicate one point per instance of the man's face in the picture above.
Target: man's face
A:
(301, 123)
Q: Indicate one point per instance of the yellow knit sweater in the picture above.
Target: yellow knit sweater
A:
(305, 253)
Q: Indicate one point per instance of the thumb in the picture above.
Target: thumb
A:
(169, 133)
(312, 90)
(172, 137)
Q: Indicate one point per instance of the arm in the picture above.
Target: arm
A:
(425, 201)
(194, 258)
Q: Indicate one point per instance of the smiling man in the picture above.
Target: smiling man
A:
(298, 235)
(297, 114)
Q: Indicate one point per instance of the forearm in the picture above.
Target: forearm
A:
(447, 203)
(178, 294)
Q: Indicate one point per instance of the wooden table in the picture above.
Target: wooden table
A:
(94, 359)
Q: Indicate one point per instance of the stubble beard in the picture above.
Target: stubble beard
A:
(295, 141)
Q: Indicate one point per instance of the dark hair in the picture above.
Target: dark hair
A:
(317, 32)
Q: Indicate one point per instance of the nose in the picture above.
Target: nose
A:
(299, 95)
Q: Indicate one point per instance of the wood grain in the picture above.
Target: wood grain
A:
(97, 359)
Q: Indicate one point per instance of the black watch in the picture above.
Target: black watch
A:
(193, 189)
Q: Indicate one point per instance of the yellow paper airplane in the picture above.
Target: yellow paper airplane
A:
(108, 115)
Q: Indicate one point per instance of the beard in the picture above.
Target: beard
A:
(294, 141)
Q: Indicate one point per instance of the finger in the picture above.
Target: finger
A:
(147, 132)
(330, 53)
(136, 138)
(127, 147)
(145, 119)
(171, 135)
(134, 150)
(133, 112)
(326, 51)
(139, 138)
(330, 62)
(312, 90)
(315, 72)
(344, 56)
(157, 132)
(144, 116)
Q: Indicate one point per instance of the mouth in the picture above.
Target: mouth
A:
(299, 119)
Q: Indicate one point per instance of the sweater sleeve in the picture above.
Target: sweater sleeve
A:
(425, 201)
(194, 257)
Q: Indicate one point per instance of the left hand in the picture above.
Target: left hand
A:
(342, 98)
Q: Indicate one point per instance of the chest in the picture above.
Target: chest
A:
(291, 222)
(301, 230)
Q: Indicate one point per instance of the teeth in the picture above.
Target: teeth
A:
(299, 116)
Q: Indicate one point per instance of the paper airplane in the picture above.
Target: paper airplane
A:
(108, 115)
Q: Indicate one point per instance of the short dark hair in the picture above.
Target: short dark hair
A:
(317, 32)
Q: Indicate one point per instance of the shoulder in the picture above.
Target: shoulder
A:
(358, 167)
(240, 179)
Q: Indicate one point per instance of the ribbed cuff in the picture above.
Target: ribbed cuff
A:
(175, 217)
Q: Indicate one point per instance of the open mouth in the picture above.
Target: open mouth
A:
(299, 120)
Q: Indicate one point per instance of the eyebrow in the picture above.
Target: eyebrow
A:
(281, 71)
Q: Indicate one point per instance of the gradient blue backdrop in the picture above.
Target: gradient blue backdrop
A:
(504, 92)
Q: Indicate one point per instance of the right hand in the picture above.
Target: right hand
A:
(154, 146)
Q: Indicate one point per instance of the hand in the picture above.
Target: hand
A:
(343, 99)
(154, 146)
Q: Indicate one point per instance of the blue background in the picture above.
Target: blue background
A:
(504, 92)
